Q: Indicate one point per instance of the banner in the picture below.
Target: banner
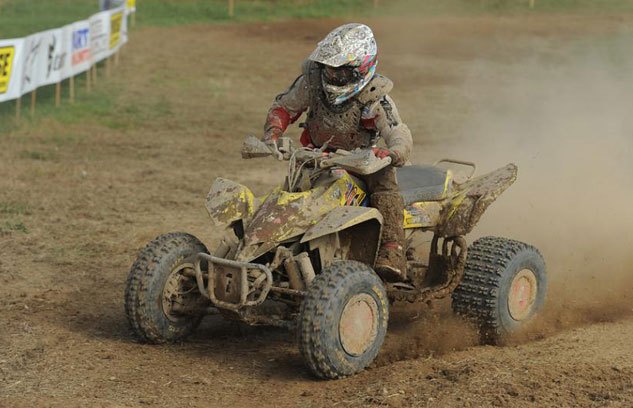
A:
(30, 69)
(116, 24)
(78, 36)
(54, 57)
(124, 29)
(99, 36)
(11, 54)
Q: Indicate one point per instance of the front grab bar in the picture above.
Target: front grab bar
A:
(245, 290)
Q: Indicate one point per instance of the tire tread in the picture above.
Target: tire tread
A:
(139, 277)
(314, 316)
(476, 296)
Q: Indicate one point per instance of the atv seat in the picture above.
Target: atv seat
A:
(422, 183)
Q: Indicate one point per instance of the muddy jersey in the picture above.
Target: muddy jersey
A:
(355, 123)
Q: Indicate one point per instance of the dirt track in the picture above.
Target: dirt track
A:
(96, 192)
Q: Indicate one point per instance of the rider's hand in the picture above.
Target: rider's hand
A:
(381, 153)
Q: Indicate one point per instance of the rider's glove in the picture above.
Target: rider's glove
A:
(381, 153)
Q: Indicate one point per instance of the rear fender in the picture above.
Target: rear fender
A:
(229, 201)
(346, 233)
(468, 201)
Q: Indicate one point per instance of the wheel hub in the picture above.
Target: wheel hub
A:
(177, 291)
(358, 326)
(522, 295)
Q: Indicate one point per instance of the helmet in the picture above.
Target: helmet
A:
(348, 59)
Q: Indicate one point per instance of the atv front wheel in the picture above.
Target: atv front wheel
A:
(343, 320)
(504, 286)
(160, 286)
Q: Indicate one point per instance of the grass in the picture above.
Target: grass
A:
(96, 105)
(14, 208)
(7, 227)
(154, 12)
(22, 17)
(35, 155)
(102, 106)
(9, 210)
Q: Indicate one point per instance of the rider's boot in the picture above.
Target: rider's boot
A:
(391, 263)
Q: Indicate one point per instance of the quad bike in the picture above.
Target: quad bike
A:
(301, 257)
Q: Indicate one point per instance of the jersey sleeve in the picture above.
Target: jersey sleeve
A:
(394, 132)
(287, 107)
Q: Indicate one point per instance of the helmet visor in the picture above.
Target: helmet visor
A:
(339, 76)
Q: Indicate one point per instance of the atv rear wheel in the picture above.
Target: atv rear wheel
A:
(159, 284)
(504, 286)
(343, 320)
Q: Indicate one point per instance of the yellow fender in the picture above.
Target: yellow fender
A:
(347, 233)
(229, 201)
(341, 219)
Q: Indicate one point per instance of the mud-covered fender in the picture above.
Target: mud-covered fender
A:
(356, 230)
(229, 201)
(468, 201)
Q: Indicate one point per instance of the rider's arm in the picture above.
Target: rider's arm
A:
(394, 132)
(286, 109)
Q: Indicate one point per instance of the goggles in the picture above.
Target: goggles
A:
(340, 76)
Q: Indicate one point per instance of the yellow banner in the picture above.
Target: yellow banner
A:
(6, 63)
(115, 29)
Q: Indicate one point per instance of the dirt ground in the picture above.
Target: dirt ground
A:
(90, 195)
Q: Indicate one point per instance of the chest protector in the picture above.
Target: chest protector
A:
(349, 125)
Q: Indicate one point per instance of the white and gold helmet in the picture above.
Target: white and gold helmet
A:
(348, 56)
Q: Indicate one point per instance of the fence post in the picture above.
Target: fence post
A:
(71, 89)
(58, 94)
(375, 3)
(532, 3)
(33, 100)
(88, 84)
(18, 108)
(231, 8)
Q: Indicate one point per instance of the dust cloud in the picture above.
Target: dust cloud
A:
(566, 120)
(565, 117)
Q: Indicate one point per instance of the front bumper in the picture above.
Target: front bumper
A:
(232, 285)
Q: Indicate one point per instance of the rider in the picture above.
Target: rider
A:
(348, 107)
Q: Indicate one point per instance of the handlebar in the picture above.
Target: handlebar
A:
(359, 161)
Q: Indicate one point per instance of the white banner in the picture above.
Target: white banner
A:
(124, 29)
(99, 36)
(54, 57)
(11, 58)
(78, 36)
(30, 70)
(51, 56)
